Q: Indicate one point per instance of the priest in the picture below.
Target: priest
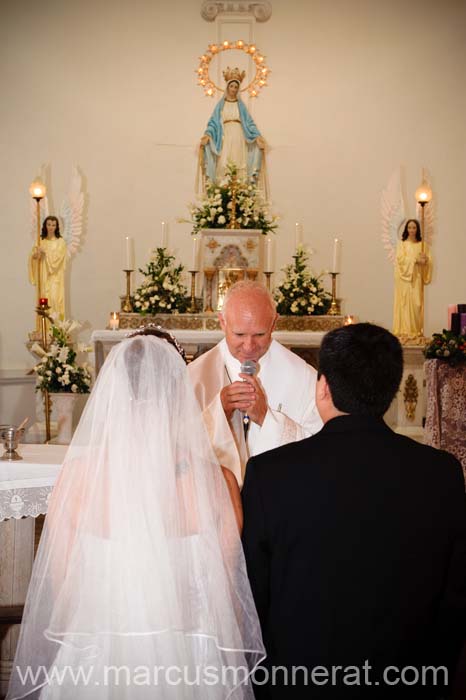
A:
(271, 403)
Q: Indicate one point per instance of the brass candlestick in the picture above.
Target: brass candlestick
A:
(268, 275)
(37, 191)
(209, 273)
(423, 248)
(423, 196)
(334, 306)
(127, 306)
(233, 202)
(192, 309)
(42, 314)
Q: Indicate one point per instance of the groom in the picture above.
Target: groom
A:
(355, 541)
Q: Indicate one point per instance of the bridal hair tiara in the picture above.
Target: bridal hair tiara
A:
(161, 333)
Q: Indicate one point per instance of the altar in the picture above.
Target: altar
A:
(406, 415)
(195, 342)
(25, 488)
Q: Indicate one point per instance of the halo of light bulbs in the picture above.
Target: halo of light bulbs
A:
(257, 83)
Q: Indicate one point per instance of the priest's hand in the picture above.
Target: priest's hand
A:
(239, 395)
(422, 259)
(257, 409)
(205, 140)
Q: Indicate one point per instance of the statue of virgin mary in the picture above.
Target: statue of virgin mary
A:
(232, 136)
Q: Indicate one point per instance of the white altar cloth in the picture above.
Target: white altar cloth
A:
(26, 485)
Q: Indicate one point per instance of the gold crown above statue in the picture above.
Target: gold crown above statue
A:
(234, 74)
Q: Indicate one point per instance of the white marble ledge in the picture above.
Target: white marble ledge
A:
(188, 337)
(39, 467)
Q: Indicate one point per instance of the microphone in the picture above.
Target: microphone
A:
(248, 367)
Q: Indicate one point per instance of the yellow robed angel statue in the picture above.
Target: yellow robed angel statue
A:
(55, 249)
(412, 259)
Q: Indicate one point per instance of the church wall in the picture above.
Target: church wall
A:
(357, 89)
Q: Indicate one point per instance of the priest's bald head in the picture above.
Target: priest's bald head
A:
(248, 318)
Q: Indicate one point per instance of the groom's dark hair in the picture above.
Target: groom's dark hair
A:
(362, 364)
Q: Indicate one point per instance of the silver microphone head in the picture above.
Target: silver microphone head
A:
(249, 367)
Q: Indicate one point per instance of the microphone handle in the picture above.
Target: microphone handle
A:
(249, 369)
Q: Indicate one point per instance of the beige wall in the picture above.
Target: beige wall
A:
(357, 89)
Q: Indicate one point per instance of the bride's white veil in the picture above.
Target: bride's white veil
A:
(139, 588)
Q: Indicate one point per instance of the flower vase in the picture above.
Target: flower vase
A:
(63, 405)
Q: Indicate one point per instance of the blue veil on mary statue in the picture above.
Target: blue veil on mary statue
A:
(232, 136)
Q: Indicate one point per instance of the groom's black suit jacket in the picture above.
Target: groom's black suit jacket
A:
(355, 542)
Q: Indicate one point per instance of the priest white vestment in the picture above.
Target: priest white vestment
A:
(289, 384)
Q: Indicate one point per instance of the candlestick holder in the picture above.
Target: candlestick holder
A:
(192, 308)
(334, 306)
(127, 306)
(42, 313)
(209, 273)
(268, 275)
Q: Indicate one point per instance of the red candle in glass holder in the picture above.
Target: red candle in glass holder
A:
(43, 301)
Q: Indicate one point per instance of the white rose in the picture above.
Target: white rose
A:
(58, 370)
(221, 219)
(74, 388)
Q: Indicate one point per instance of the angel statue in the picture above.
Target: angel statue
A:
(55, 250)
(412, 259)
(231, 136)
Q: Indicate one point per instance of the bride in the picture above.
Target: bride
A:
(139, 588)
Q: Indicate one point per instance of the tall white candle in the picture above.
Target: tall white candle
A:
(129, 253)
(194, 254)
(269, 254)
(336, 255)
(298, 235)
(164, 235)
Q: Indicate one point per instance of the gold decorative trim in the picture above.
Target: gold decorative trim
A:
(209, 322)
(309, 323)
(410, 396)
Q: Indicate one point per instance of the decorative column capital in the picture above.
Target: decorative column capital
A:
(260, 9)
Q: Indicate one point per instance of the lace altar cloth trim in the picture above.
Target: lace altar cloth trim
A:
(21, 503)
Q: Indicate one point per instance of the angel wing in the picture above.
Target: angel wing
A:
(72, 214)
(429, 211)
(393, 214)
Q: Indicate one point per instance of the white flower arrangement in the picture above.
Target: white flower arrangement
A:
(215, 208)
(162, 290)
(57, 371)
(301, 293)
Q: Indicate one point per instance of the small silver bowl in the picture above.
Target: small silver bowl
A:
(10, 435)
